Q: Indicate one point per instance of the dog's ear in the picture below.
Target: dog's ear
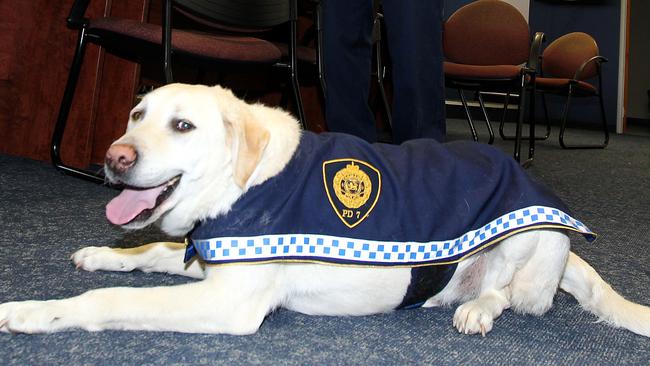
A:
(252, 139)
(247, 136)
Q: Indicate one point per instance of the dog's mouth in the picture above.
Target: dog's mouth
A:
(137, 204)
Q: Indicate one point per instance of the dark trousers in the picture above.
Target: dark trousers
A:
(414, 29)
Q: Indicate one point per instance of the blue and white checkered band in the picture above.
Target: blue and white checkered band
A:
(339, 250)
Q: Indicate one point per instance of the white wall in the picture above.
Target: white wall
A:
(522, 5)
(639, 59)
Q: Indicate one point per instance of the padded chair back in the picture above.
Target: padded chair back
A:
(565, 55)
(487, 32)
(238, 14)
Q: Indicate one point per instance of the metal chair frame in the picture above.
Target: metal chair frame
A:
(574, 91)
(524, 83)
(505, 137)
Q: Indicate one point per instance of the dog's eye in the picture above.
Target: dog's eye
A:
(183, 125)
(136, 115)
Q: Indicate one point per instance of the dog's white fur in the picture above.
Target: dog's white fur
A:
(237, 145)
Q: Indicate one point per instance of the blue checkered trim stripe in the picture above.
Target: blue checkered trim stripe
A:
(324, 248)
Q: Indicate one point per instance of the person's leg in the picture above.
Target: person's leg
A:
(347, 55)
(414, 30)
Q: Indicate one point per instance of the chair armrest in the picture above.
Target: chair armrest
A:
(597, 59)
(535, 51)
(76, 18)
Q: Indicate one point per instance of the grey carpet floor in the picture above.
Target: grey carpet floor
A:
(45, 216)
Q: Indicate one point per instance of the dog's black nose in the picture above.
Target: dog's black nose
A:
(120, 158)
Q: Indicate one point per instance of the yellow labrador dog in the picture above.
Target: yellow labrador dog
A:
(201, 163)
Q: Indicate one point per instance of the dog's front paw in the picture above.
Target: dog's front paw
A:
(473, 317)
(101, 259)
(29, 317)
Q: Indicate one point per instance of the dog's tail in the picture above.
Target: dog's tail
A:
(598, 297)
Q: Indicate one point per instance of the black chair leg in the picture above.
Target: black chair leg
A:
(487, 119)
(547, 116)
(167, 41)
(604, 119)
(64, 110)
(532, 120)
(382, 89)
(469, 116)
(503, 119)
(565, 118)
(520, 120)
(380, 70)
(295, 86)
(318, 20)
(293, 73)
(565, 114)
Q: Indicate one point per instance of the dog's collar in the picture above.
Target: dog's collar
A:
(300, 247)
(190, 251)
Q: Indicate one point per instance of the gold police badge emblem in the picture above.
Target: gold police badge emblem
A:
(353, 188)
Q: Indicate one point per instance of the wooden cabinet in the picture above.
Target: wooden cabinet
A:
(36, 49)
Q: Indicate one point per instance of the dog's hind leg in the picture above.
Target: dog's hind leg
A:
(164, 257)
(534, 286)
(503, 265)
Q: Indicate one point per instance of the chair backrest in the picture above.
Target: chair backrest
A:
(564, 56)
(239, 14)
(487, 32)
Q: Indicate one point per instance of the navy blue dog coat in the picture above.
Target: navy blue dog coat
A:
(421, 204)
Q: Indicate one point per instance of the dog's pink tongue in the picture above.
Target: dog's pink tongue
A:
(128, 204)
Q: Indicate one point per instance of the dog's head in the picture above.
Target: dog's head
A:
(189, 150)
